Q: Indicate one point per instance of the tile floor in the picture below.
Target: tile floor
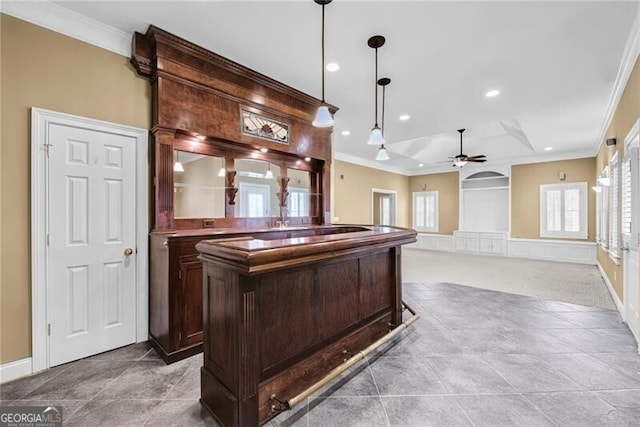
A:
(475, 358)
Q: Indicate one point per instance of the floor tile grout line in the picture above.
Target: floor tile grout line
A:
(105, 386)
(165, 397)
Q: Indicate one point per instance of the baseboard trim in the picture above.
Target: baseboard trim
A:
(614, 295)
(12, 370)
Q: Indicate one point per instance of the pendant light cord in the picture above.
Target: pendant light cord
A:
(383, 90)
(376, 84)
(323, 53)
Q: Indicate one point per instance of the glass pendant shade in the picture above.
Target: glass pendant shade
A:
(382, 153)
(268, 174)
(376, 137)
(323, 118)
(177, 167)
(222, 172)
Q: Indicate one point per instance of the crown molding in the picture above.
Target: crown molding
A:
(629, 58)
(56, 18)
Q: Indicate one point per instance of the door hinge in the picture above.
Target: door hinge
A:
(48, 239)
(49, 329)
(48, 148)
(179, 274)
(179, 337)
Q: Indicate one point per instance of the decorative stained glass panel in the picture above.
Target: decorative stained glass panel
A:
(263, 127)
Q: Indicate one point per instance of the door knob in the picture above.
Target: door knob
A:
(128, 251)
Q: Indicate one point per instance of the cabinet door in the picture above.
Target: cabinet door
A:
(191, 281)
(485, 245)
(498, 245)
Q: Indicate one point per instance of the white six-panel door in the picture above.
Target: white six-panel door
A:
(92, 275)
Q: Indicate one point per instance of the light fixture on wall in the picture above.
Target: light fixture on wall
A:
(268, 174)
(177, 166)
(376, 138)
(222, 172)
(382, 152)
(604, 181)
(323, 116)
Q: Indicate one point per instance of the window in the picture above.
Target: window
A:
(614, 207)
(425, 211)
(563, 210)
(254, 200)
(298, 202)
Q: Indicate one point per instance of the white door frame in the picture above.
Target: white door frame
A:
(41, 120)
(395, 203)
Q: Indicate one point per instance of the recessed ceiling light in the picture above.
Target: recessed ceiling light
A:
(405, 117)
(548, 148)
(420, 165)
(307, 159)
(264, 150)
(493, 93)
(346, 132)
(333, 66)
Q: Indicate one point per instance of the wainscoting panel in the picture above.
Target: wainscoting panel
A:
(553, 250)
(434, 242)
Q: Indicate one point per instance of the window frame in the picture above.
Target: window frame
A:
(436, 206)
(583, 233)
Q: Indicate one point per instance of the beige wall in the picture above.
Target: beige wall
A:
(625, 116)
(447, 185)
(525, 192)
(352, 196)
(44, 69)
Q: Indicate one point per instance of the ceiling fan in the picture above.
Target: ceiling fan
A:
(462, 159)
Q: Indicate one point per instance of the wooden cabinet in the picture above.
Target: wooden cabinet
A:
(175, 285)
(175, 294)
(190, 280)
(486, 243)
(493, 243)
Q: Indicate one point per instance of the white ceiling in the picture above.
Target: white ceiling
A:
(555, 64)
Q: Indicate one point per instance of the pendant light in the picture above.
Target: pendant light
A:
(177, 166)
(222, 172)
(268, 174)
(376, 138)
(323, 116)
(382, 152)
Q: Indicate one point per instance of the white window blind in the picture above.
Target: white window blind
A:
(563, 210)
(599, 215)
(625, 200)
(614, 207)
(425, 211)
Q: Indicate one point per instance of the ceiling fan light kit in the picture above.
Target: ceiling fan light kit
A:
(323, 116)
(462, 159)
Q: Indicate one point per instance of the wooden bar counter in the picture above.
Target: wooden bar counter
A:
(284, 309)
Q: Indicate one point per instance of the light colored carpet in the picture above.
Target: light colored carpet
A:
(559, 281)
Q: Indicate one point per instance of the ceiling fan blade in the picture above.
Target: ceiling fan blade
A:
(479, 156)
(470, 159)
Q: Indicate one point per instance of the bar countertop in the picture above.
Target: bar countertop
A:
(300, 245)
